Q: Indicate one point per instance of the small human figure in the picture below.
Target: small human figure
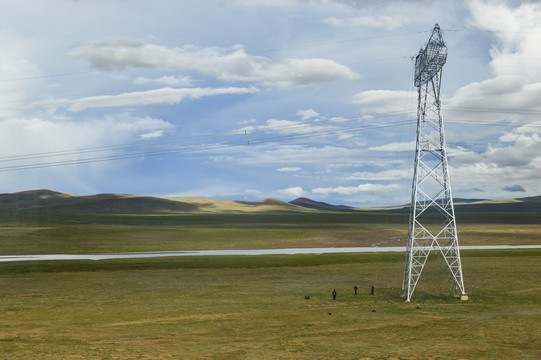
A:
(372, 290)
(355, 288)
(334, 294)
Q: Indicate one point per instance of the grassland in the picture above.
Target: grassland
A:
(32, 234)
(248, 307)
(255, 307)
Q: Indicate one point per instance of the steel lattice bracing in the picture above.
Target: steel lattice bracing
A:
(432, 224)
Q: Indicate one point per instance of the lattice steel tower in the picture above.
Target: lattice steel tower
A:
(432, 224)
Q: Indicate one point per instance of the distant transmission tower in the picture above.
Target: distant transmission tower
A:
(432, 224)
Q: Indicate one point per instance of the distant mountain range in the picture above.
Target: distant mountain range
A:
(527, 204)
(51, 202)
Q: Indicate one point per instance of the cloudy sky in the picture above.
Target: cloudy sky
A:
(251, 99)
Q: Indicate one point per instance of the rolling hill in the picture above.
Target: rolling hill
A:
(527, 204)
(55, 202)
(311, 204)
(51, 202)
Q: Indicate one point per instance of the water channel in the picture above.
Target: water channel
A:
(152, 254)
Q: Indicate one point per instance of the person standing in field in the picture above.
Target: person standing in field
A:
(334, 294)
(355, 288)
(372, 290)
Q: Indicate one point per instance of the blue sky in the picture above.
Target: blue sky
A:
(251, 99)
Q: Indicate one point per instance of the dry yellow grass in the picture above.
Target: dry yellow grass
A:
(208, 205)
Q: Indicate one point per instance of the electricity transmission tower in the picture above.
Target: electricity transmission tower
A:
(432, 224)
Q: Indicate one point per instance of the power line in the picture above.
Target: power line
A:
(270, 129)
(206, 147)
(202, 137)
(196, 148)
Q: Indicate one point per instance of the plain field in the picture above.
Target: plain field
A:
(255, 307)
(246, 307)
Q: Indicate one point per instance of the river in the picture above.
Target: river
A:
(152, 254)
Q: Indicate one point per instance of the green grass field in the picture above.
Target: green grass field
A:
(127, 233)
(255, 307)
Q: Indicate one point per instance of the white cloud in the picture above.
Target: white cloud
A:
(345, 136)
(307, 114)
(490, 178)
(515, 150)
(461, 155)
(392, 174)
(243, 122)
(384, 101)
(218, 188)
(351, 190)
(15, 65)
(301, 51)
(288, 169)
(152, 134)
(279, 4)
(171, 80)
(285, 127)
(395, 147)
(43, 135)
(516, 85)
(506, 92)
(232, 64)
(156, 96)
(339, 119)
(517, 50)
(286, 154)
(383, 21)
(514, 159)
(296, 191)
(253, 192)
(56, 140)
